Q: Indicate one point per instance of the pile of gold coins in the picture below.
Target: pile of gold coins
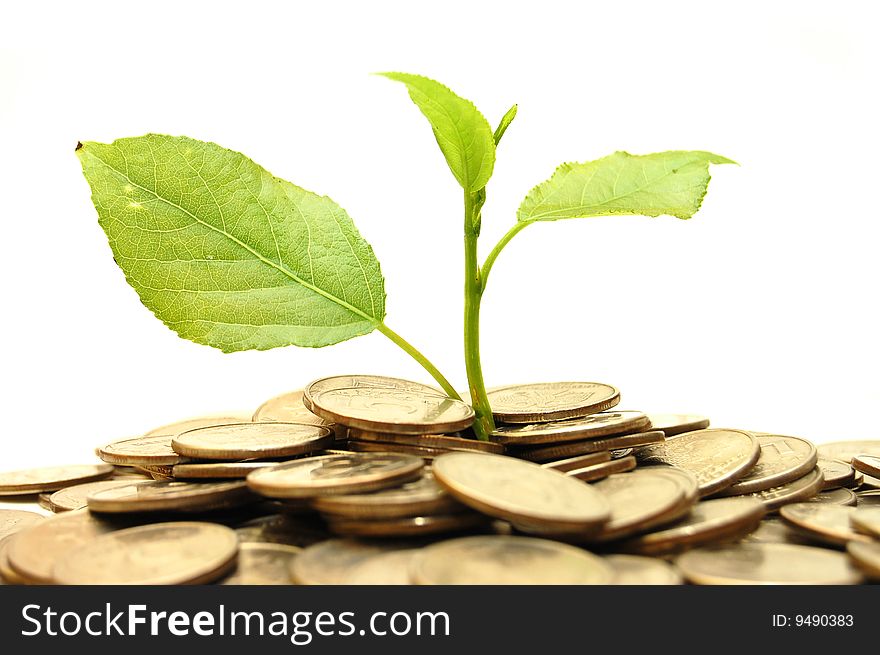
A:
(374, 480)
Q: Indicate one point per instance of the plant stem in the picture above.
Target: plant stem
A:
(490, 260)
(413, 352)
(473, 292)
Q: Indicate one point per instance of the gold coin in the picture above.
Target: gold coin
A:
(644, 499)
(50, 478)
(717, 457)
(442, 441)
(418, 498)
(409, 526)
(603, 470)
(502, 560)
(385, 569)
(153, 450)
(550, 401)
(426, 454)
(867, 557)
(34, 551)
(283, 529)
(795, 491)
(782, 460)
(364, 382)
(867, 464)
(159, 554)
(173, 429)
(572, 463)
(8, 575)
(637, 570)
(522, 492)
(867, 521)
(170, 497)
(828, 524)
(672, 424)
(846, 450)
(767, 564)
(335, 474)
(14, 520)
(836, 473)
(868, 498)
(252, 441)
(288, 408)
(331, 562)
(262, 564)
(601, 424)
(44, 502)
(392, 410)
(835, 497)
(575, 448)
(709, 521)
(217, 470)
(775, 531)
(72, 498)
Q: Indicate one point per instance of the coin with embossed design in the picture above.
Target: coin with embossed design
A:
(795, 491)
(550, 401)
(760, 563)
(50, 478)
(507, 560)
(335, 474)
(154, 450)
(288, 408)
(392, 410)
(838, 496)
(13, 520)
(170, 497)
(824, 523)
(418, 498)
(717, 457)
(644, 499)
(601, 424)
(782, 460)
(522, 492)
(33, 552)
(835, 473)
(76, 497)
(363, 382)
(710, 521)
(159, 554)
(252, 440)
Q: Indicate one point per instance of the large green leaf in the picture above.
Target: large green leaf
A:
(462, 132)
(672, 183)
(226, 254)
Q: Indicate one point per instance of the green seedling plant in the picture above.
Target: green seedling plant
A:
(229, 256)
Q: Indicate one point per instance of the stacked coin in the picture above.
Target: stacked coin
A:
(371, 480)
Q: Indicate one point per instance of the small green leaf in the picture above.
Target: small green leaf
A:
(672, 183)
(227, 255)
(462, 132)
(506, 120)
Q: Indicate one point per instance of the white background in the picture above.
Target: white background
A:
(760, 312)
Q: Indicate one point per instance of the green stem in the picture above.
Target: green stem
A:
(473, 292)
(490, 260)
(413, 352)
